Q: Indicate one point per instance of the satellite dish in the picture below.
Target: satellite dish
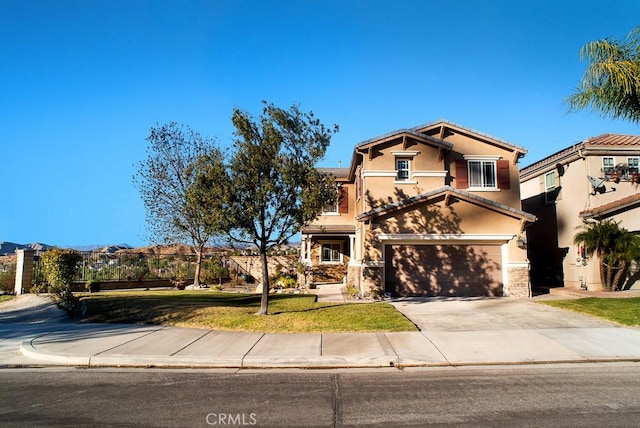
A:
(597, 185)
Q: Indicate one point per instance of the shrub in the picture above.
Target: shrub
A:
(60, 267)
(352, 291)
(7, 281)
(92, 286)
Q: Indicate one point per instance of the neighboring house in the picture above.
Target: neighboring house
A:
(594, 179)
(432, 210)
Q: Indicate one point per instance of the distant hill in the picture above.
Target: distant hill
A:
(8, 248)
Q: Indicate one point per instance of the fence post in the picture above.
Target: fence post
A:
(24, 271)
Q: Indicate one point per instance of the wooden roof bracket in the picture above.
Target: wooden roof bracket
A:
(516, 156)
(441, 134)
(447, 199)
(404, 142)
(523, 225)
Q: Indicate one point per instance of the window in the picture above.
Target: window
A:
(633, 165)
(402, 169)
(549, 186)
(330, 208)
(482, 173)
(341, 204)
(331, 253)
(607, 166)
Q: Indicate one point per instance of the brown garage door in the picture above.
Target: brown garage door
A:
(443, 270)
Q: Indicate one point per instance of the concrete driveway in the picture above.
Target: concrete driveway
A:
(485, 314)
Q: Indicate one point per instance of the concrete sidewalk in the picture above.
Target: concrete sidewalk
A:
(455, 332)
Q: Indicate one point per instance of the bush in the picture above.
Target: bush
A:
(60, 267)
(7, 281)
(352, 291)
(284, 281)
(92, 286)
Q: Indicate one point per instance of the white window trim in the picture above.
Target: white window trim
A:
(379, 173)
(482, 157)
(408, 169)
(341, 251)
(474, 158)
(405, 153)
(429, 174)
(462, 238)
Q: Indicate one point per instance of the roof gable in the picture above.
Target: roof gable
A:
(442, 128)
(404, 134)
(447, 192)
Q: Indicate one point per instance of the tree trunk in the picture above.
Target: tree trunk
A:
(603, 275)
(196, 279)
(622, 272)
(264, 301)
(609, 278)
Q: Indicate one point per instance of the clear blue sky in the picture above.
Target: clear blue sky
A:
(83, 81)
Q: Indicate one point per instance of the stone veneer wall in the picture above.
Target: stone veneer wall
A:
(519, 283)
(24, 271)
(372, 279)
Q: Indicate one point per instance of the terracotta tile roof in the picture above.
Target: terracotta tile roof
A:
(621, 204)
(613, 140)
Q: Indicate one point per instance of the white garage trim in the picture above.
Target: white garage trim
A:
(505, 259)
(450, 238)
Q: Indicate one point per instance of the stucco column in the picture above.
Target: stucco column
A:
(352, 256)
(24, 271)
(308, 254)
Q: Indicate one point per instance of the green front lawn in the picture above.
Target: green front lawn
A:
(230, 311)
(625, 311)
(6, 297)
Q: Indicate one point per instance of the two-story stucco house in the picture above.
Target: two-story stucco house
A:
(432, 210)
(591, 180)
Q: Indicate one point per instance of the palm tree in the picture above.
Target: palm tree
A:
(614, 246)
(611, 82)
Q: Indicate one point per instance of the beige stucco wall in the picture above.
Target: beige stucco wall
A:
(348, 218)
(574, 197)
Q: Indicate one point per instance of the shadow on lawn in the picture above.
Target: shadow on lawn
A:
(154, 308)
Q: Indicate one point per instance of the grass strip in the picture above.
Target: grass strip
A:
(6, 297)
(236, 312)
(625, 311)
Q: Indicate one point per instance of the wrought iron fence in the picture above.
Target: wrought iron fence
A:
(140, 266)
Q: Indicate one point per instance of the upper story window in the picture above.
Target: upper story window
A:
(482, 173)
(402, 169)
(330, 208)
(341, 204)
(608, 165)
(549, 186)
(634, 165)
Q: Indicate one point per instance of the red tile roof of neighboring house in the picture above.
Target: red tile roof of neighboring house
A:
(604, 140)
(613, 140)
(612, 207)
